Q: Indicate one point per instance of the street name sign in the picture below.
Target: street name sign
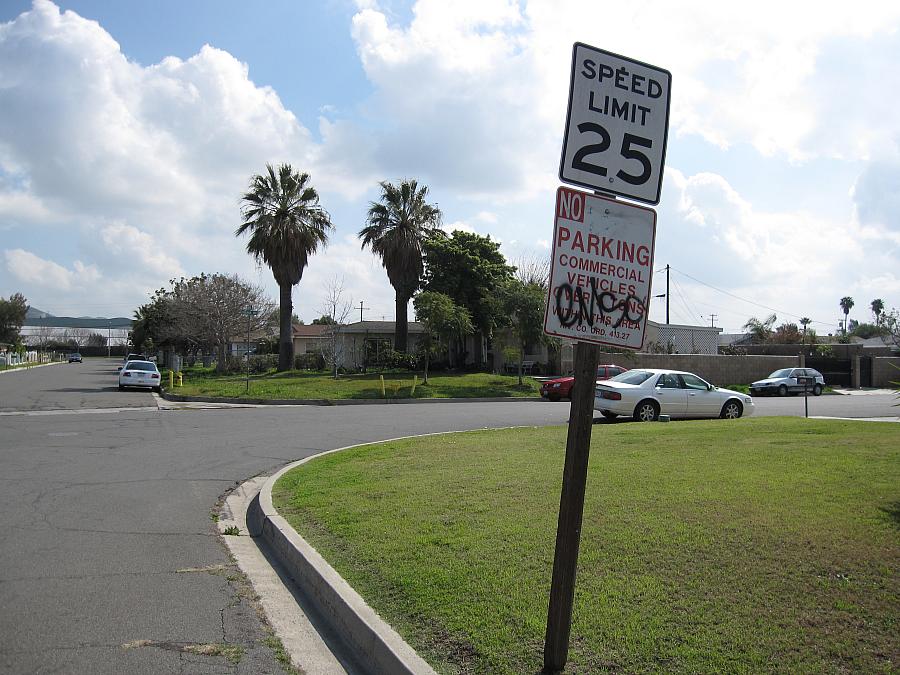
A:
(617, 125)
(601, 270)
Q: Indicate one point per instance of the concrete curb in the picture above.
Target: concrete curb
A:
(178, 398)
(372, 641)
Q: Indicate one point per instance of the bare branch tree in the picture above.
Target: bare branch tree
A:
(337, 308)
(213, 311)
(533, 269)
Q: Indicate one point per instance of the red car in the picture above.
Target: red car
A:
(562, 387)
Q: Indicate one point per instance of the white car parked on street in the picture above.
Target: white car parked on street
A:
(142, 374)
(785, 381)
(646, 393)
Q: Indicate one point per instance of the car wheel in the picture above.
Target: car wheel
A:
(158, 390)
(553, 397)
(732, 410)
(609, 415)
(817, 390)
(121, 388)
(782, 390)
(646, 411)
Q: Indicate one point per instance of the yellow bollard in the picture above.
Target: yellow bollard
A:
(412, 392)
(171, 379)
(180, 381)
(381, 377)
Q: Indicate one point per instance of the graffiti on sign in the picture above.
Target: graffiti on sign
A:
(601, 270)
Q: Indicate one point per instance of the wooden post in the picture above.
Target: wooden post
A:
(571, 508)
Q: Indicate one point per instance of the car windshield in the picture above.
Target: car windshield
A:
(784, 372)
(632, 377)
(140, 365)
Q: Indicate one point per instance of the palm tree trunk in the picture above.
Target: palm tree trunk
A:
(285, 338)
(401, 328)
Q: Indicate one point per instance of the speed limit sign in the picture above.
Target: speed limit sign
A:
(617, 124)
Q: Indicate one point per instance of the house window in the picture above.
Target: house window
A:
(376, 350)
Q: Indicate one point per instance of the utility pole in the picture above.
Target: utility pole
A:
(108, 337)
(361, 308)
(712, 320)
(667, 294)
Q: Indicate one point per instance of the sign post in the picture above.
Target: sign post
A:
(602, 266)
(806, 381)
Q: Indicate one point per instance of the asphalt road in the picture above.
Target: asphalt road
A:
(69, 386)
(110, 562)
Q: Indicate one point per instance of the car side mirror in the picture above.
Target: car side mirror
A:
(119, 368)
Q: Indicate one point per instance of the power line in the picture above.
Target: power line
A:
(751, 302)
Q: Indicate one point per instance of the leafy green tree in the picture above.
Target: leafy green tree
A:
(470, 269)
(846, 305)
(12, 316)
(877, 309)
(324, 320)
(867, 330)
(396, 229)
(760, 331)
(442, 319)
(524, 304)
(286, 223)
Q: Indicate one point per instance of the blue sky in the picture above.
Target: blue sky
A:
(129, 130)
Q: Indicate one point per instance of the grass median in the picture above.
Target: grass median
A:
(305, 385)
(707, 546)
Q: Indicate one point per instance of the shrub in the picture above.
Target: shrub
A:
(262, 363)
(309, 361)
(391, 359)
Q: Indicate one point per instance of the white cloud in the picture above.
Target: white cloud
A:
(33, 269)
(458, 225)
(470, 99)
(792, 261)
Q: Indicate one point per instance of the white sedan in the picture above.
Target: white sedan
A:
(142, 374)
(646, 393)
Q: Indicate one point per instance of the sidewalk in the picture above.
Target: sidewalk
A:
(865, 391)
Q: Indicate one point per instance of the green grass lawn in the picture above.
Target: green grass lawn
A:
(768, 544)
(303, 385)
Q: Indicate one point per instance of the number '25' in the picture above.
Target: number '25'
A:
(628, 151)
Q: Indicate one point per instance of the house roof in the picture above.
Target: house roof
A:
(386, 327)
(309, 331)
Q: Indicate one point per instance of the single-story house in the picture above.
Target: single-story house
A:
(355, 344)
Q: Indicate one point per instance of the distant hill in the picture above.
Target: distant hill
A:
(35, 317)
(35, 313)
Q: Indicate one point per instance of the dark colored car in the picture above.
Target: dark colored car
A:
(561, 387)
(74, 357)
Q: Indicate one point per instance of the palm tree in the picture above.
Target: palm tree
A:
(395, 231)
(877, 309)
(286, 225)
(805, 321)
(760, 331)
(846, 306)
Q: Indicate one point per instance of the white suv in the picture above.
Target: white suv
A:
(786, 381)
